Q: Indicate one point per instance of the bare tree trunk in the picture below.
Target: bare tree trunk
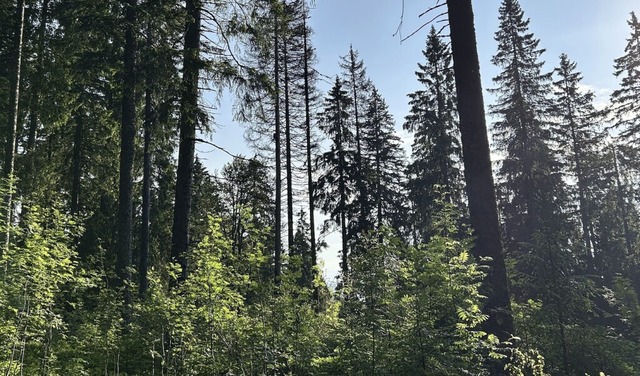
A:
(477, 168)
(143, 263)
(307, 123)
(287, 136)
(278, 225)
(12, 126)
(186, 151)
(76, 169)
(127, 150)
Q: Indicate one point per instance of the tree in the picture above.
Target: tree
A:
(624, 100)
(334, 186)
(358, 87)
(435, 150)
(189, 117)
(127, 150)
(382, 153)
(12, 125)
(477, 168)
(575, 122)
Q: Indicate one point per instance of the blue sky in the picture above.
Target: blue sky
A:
(591, 32)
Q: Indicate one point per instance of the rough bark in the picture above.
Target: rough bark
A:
(187, 128)
(477, 167)
(127, 151)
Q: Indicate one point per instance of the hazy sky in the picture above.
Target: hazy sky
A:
(591, 32)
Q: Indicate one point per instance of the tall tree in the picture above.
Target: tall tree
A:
(127, 150)
(12, 125)
(624, 100)
(382, 152)
(334, 186)
(477, 167)
(358, 86)
(189, 116)
(575, 131)
(436, 152)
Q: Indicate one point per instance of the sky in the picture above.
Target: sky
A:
(591, 32)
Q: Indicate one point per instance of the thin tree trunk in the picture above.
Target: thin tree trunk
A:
(186, 151)
(12, 126)
(35, 94)
(622, 206)
(76, 169)
(143, 264)
(360, 179)
(343, 197)
(287, 135)
(127, 150)
(278, 225)
(582, 198)
(477, 168)
(307, 121)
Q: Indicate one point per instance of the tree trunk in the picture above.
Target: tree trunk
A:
(127, 150)
(287, 135)
(76, 169)
(307, 123)
(277, 267)
(12, 126)
(477, 168)
(187, 127)
(143, 262)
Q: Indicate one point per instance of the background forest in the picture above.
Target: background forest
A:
(122, 254)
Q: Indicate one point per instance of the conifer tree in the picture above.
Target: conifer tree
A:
(575, 131)
(435, 150)
(334, 185)
(382, 152)
(531, 185)
(358, 87)
(625, 104)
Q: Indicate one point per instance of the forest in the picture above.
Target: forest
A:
(123, 254)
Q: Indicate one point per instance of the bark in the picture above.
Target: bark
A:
(35, 94)
(127, 150)
(277, 268)
(477, 167)
(12, 126)
(187, 128)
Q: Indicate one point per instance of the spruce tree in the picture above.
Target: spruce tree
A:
(575, 130)
(334, 186)
(435, 150)
(358, 87)
(531, 185)
(625, 104)
(382, 152)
